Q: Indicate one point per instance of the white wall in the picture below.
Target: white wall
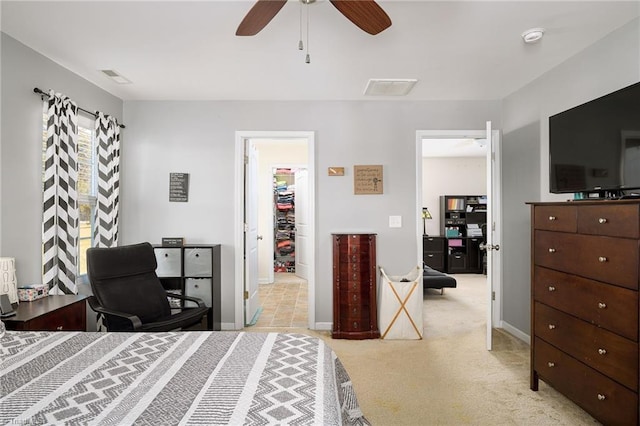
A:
(608, 65)
(450, 176)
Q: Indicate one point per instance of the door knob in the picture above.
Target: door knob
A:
(259, 237)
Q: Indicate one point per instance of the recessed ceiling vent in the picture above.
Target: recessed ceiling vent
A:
(389, 86)
(115, 76)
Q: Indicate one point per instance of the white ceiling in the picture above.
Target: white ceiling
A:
(189, 51)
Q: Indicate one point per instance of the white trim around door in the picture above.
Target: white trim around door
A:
(239, 226)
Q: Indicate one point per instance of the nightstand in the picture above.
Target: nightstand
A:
(52, 313)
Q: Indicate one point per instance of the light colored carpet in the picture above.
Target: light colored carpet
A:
(449, 378)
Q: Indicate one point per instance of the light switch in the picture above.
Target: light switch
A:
(395, 221)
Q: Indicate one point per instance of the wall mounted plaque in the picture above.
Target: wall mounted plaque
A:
(179, 187)
(367, 179)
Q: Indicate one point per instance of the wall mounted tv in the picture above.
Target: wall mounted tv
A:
(594, 148)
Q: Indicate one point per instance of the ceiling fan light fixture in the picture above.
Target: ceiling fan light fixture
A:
(389, 86)
(532, 35)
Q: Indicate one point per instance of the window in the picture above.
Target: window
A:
(87, 184)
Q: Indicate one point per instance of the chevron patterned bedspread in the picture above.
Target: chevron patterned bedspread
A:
(205, 378)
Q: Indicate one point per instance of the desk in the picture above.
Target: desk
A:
(52, 313)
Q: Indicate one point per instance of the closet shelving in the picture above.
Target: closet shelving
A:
(284, 220)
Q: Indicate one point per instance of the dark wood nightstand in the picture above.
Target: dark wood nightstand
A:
(52, 313)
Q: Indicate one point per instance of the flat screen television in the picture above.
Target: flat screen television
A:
(594, 148)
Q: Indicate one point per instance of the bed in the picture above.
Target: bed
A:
(207, 378)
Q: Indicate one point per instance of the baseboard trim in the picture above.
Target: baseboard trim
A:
(228, 326)
(515, 332)
(324, 326)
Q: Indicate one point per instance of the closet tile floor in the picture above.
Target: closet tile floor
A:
(284, 303)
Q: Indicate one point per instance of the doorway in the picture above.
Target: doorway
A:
(272, 150)
(465, 144)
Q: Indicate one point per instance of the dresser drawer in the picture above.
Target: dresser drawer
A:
(433, 244)
(611, 307)
(555, 218)
(434, 260)
(197, 262)
(613, 221)
(351, 298)
(606, 400)
(169, 262)
(610, 354)
(607, 259)
(349, 313)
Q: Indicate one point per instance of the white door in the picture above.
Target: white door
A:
(251, 299)
(302, 248)
(492, 244)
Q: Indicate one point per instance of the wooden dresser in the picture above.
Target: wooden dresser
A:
(355, 311)
(584, 307)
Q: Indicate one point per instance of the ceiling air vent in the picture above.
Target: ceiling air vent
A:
(389, 86)
(115, 76)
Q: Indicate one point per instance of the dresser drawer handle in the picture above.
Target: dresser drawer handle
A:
(355, 286)
(355, 311)
(552, 288)
(602, 220)
(602, 351)
(602, 305)
(602, 259)
(355, 325)
(552, 250)
(59, 328)
(429, 255)
(601, 397)
(551, 364)
(552, 326)
(552, 218)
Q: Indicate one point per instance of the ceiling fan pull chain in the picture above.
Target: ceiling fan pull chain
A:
(300, 44)
(308, 58)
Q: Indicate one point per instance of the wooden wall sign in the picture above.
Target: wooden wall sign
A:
(367, 179)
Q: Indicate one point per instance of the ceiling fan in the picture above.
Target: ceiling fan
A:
(366, 14)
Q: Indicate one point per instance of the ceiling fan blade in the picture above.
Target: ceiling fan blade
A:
(259, 16)
(366, 14)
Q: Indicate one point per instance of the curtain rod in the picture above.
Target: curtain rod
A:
(42, 93)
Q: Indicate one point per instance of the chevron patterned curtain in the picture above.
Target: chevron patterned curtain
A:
(60, 201)
(107, 133)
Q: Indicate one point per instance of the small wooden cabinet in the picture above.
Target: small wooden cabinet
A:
(51, 313)
(355, 311)
(585, 304)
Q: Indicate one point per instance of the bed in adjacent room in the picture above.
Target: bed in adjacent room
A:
(173, 378)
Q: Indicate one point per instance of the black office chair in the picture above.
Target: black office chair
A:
(127, 291)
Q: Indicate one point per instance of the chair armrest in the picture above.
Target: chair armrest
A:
(200, 302)
(97, 307)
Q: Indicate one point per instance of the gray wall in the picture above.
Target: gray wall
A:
(608, 65)
(199, 138)
(21, 146)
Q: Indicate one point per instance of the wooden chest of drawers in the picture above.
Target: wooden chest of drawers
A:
(354, 287)
(584, 305)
